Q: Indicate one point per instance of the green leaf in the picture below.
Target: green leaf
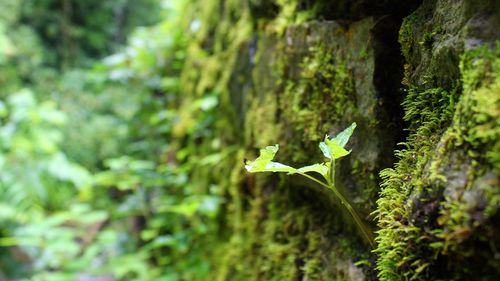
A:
(343, 137)
(264, 163)
(334, 148)
(324, 148)
(331, 149)
(318, 168)
(336, 151)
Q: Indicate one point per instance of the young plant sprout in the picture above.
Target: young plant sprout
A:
(333, 149)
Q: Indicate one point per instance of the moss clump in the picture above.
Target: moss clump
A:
(406, 35)
(398, 256)
(478, 116)
(437, 206)
(469, 210)
(319, 96)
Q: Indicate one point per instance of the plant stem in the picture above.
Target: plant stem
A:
(359, 223)
(314, 179)
(331, 179)
(366, 233)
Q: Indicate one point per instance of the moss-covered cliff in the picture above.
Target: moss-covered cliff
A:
(424, 75)
(438, 209)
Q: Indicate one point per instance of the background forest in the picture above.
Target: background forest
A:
(91, 188)
(125, 127)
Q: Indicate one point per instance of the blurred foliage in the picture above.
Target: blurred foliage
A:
(31, 160)
(95, 182)
(83, 30)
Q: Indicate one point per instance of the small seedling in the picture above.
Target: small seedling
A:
(333, 149)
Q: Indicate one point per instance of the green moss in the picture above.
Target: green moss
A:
(283, 243)
(478, 115)
(406, 35)
(475, 131)
(399, 239)
(291, 12)
(436, 205)
(318, 96)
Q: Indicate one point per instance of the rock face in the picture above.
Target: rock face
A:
(421, 74)
(438, 209)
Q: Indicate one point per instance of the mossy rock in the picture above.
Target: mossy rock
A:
(283, 74)
(438, 205)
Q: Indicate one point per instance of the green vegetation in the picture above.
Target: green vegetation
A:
(420, 170)
(438, 199)
(124, 125)
(332, 149)
(81, 186)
